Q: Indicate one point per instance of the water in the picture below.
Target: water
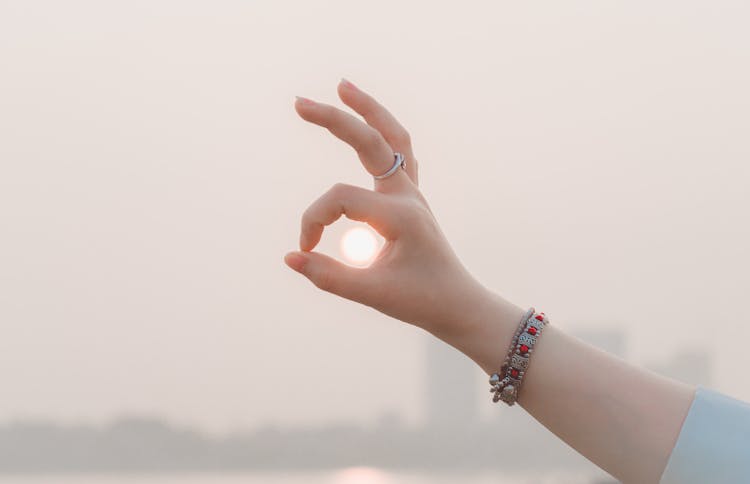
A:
(354, 475)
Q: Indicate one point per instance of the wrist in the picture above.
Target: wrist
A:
(487, 329)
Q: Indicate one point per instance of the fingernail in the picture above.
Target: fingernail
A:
(348, 83)
(304, 100)
(296, 261)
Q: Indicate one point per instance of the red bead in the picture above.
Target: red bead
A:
(539, 317)
(531, 330)
(524, 349)
(514, 373)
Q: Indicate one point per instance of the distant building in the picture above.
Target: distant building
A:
(610, 339)
(692, 366)
(452, 389)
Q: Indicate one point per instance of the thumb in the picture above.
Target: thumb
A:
(329, 274)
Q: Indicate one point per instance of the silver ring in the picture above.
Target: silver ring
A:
(399, 161)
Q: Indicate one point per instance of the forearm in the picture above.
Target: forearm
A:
(623, 418)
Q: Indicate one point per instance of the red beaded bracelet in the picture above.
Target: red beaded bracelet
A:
(506, 387)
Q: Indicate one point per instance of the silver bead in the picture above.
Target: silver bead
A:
(515, 381)
(527, 339)
(520, 362)
(494, 379)
(508, 395)
(539, 325)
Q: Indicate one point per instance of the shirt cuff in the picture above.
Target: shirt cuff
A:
(713, 444)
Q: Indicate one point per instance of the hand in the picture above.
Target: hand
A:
(416, 277)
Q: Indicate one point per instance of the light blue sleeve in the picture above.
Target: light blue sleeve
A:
(714, 442)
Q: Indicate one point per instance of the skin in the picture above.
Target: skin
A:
(622, 417)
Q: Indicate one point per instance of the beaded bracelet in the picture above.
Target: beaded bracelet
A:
(495, 378)
(514, 341)
(517, 359)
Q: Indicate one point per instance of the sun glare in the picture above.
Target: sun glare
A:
(361, 475)
(358, 245)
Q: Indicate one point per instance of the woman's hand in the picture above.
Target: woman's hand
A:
(416, 277)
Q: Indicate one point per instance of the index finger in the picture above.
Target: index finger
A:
(356, 203)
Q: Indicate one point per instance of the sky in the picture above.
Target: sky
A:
(588, 158)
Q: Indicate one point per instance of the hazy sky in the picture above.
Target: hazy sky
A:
(589, 158)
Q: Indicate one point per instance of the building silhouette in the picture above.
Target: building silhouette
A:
(451, 386)
(693, 366)
(608, 338)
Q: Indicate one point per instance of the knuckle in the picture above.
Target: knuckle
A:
(415, 212)
(324, 281)
(369, 106)
(309, 214)
(327, 111)
(315, 210)
(339, 191)
(372, 139)
(306, 215)
(402, 138)
(339, 187)
(306, 221)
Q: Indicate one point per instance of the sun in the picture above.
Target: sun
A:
(361, 475)
(359, 245)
